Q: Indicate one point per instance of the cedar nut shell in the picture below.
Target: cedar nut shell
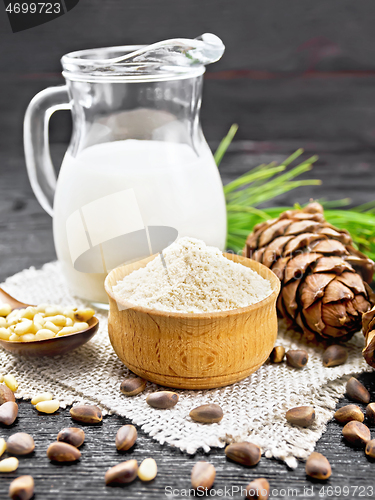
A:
(63, 452)
(348, 413)
(22, 488)
(87, 414)
(318, 467)
(297, 358)
(126, 437)
(207, 414)
(335, 355)
(303, 416)
(243, 453)
(203, 475)
(357, 391)
(259, 489)
(132, 386)
(71, 435)
(8, 413)
(122, 473)
(162, 400)
(20, 444)
(356, 434)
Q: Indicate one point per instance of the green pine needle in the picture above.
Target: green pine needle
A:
(265, 182)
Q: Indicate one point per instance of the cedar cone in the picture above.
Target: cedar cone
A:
(324, 288)
(368, 325)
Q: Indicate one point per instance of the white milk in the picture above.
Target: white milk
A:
(172, 188)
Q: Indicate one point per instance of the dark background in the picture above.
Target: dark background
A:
(294, 74)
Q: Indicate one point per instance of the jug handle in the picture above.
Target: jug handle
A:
(39, 165)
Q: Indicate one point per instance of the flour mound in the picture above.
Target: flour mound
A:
(189, 276)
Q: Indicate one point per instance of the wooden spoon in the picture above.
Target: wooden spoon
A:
(50, 347)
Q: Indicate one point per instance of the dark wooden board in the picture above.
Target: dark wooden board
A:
(85, 479)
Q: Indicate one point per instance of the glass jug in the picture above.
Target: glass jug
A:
(138, 172)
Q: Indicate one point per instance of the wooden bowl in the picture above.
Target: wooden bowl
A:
(189, 350)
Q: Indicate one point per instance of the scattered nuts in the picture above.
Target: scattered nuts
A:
(63, 452)
(22, 488)
(48, 406)
(357, 391)
(122, 473)
(277, 354)
(370, 448)
(71, 435)
(303, 416)
(42, 396)
(356, 433)
(147, 470)
(87, 414)
(132, 386)
(162, 399)
(20, 444)
(318, 467)
(11, 382)
(297, 358)
(243, 453)
(335, 355)
(126, 437)
(207, 414)
(8, 413)
(203, 475)
(3, 446)
(6, 394)
(370, 413)
(259, 489)
(9, 464)
(348, 413)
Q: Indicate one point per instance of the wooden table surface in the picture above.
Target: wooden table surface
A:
(26, 240)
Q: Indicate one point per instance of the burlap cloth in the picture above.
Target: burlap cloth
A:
(254, 409)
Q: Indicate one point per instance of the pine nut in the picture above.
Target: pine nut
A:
(5, 309)
(132, 386)
(84, 314)
(303, 416)
(67, 330)
(41, 308)
(44, 334)
(50, 326)
(259, 489)
(11, 382)
(4, 334)
(81, 326)
(28, 313)
(69, 322)
(38, 318)
(147, 470)
(348, 413)
(23, 327)
(41, 396)
(50, 406)
(9, 464)
(203, 475)
(207, 414)
(52, 310)
(3, 446)
(14, 338)
(58, 320)
(29, 337)
(3, 322)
